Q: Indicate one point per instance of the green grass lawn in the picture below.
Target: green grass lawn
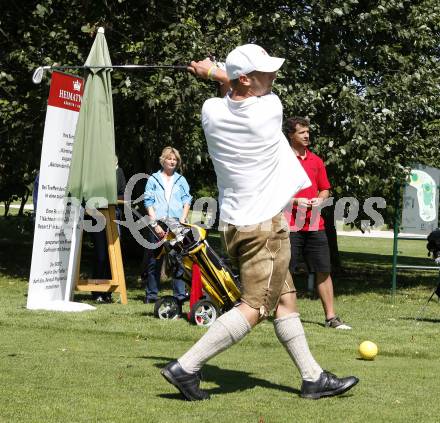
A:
(103, 366)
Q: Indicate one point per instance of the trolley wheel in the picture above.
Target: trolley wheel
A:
(167, 308)
(204, 313)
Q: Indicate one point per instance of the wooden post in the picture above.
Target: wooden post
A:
(117, 282)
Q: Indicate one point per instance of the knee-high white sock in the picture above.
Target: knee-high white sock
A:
(227, 330)
(290, 333)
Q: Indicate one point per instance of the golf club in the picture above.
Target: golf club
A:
(39, 72)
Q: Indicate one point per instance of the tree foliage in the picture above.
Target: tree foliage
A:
(365, 72)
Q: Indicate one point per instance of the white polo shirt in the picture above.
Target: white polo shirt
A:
(257, 171)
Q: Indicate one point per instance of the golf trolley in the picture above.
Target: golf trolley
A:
(185, 246)
(433, 247)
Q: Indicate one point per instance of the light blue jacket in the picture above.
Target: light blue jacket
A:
(155, 195)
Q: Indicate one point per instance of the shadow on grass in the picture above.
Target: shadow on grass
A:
(370, 278)
(425, 320)
(16, 242)
(313, 322)
(359, 259)
(362, 272)
(228, 380)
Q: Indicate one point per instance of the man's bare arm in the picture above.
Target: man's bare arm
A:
(207, 69)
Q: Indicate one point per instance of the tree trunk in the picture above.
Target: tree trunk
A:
(23, 203)
(7, 204)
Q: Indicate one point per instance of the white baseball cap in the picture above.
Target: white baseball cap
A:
(248, 58)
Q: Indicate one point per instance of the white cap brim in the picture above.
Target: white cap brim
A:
(272, 64)
(249, 58)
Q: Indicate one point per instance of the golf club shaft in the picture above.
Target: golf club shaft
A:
(178, 67)
(39, 72)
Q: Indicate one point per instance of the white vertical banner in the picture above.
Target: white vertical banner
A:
(75, 248)
(53, 234)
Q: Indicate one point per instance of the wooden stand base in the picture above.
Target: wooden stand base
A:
(117, 282)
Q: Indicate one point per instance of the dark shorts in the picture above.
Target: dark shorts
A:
(313, 248)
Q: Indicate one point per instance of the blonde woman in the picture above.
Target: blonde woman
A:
(166, 197)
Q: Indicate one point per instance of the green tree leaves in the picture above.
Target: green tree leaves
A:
(366, 73)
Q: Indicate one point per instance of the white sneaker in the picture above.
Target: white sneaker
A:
(336, 323)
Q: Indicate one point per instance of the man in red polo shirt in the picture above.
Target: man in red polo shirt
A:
(307, 236)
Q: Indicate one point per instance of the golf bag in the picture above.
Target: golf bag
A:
(433, 247)
(185, 246)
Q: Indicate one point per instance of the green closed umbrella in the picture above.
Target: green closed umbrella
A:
(92, 169)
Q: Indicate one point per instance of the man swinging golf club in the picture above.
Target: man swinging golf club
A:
(255, 168)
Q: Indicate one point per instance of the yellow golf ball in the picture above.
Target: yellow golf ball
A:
(368, 350)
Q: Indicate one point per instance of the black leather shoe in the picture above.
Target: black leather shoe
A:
(327, 385)
(186, 383)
